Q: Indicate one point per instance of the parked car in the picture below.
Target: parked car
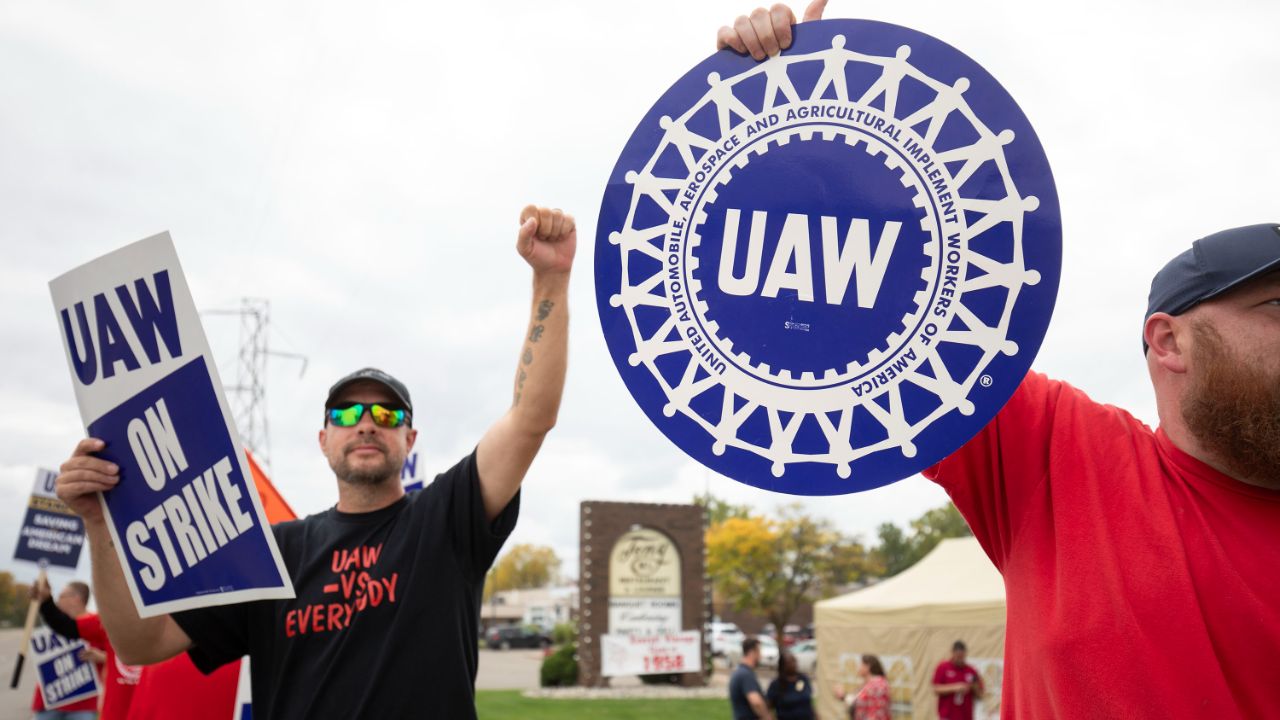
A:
(768, 651)
(806, 652)
(793, 634)
(514, 636)
(725, 639)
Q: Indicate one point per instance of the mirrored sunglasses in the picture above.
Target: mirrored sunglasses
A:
(383, 415)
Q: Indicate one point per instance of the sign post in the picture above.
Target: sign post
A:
(32, 609)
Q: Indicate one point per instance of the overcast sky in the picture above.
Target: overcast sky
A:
(362, 168)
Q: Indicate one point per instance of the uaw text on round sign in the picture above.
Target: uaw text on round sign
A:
(818, 116)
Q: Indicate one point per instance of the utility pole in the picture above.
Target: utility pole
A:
(248, 396)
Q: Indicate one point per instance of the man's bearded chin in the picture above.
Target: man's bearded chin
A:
(1232, 406)
(386, 471)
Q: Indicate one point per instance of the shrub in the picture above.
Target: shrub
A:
(564, 633)
(560, 668)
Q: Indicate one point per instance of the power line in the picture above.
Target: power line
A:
(248, 396)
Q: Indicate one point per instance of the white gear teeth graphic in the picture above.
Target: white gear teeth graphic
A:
(829, 134)
(814, 397)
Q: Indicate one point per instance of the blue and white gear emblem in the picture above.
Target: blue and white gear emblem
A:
(827, 271)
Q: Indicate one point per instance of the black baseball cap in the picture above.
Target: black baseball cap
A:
(396, 387)
(1213, 265)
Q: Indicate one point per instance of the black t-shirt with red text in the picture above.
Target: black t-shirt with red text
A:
(385, 619)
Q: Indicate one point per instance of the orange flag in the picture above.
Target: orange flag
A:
(273, 503)
(175, 688)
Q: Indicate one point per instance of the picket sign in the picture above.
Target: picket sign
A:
(186, 518)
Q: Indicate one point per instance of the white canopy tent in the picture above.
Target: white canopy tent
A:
(910, 621)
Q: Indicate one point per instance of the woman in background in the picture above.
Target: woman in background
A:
(871, 702)
(791, 693)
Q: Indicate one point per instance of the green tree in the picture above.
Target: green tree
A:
(851, 562)
(897, 551)
(894, 552)
(771, 567)
(720, 510)
(523, 566)
(937, 525)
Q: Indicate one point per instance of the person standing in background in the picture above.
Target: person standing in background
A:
(957, 684)
(791, 693)
(872, 701)
(744, 689)
(69, 617)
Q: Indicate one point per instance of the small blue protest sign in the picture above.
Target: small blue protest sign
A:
(62, 676)
(411, 473)
(825, 272)
(50, 534)
(186, 518)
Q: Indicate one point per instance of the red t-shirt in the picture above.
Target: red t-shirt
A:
(1139, 581)
(955, 705)
(120, 680)
(176, 689)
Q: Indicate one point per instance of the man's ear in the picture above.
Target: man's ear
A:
(321, 437)
(1162, 333)
(410, 438)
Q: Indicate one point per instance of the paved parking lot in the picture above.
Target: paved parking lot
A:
(515, 669)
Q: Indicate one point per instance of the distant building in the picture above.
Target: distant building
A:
(544, 607)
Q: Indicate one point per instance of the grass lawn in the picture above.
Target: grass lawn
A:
(509, 705)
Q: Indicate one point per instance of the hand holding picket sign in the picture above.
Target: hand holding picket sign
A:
(83, 476)
(765, 33)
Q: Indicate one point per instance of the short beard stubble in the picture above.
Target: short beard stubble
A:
(387, 471)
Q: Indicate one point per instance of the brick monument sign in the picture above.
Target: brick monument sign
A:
(642, 592)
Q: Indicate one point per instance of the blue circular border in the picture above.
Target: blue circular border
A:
(1042, 250)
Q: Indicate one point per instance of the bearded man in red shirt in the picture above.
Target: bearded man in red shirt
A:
(1140, 565)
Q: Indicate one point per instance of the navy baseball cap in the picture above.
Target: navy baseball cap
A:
(396, 387)
(1212, 266)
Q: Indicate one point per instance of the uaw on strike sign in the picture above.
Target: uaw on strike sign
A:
(825, 272)
(62, 675)
(185, 518)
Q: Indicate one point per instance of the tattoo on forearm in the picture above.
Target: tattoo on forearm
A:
(526, 358)
(520, 384)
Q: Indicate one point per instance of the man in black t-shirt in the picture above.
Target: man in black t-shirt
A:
(384, 624)
(746, 699)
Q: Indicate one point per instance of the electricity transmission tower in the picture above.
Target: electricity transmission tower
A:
(248, 395)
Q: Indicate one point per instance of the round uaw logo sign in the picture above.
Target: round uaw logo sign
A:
(827, 271)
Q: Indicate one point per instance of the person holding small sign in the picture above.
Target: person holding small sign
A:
(72, 604)
(388, 585)
(1139, 564)
(69, 618)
